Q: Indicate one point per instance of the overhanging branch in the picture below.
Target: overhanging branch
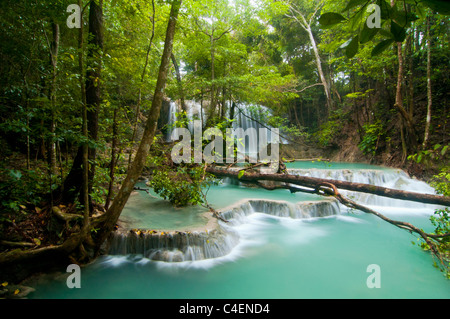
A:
(313, 182)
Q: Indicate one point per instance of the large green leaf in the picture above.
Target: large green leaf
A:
(386, 9)
(330, 18)
(357, 19)
(367, 33)
(398, 32)
(380, 47)
(352, 47)
(405, 18)
(354, 3)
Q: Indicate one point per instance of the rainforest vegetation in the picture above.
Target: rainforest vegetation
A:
(83, 101)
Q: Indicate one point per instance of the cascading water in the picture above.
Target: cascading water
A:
(277, 245)
(194, 112)
(179, 246)
(173, 246)
(176, 246)
(390, 178)
(220, 240)
(251, 118)
(247, 117)
(172, 117)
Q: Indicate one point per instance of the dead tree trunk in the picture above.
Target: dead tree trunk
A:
(312, 182)
(112, 215)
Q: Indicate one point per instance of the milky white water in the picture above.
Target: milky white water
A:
(285, 256)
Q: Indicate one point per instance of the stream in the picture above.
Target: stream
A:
(277, 245)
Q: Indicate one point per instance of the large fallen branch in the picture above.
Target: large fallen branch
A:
(327, 187)
(428, 238)
(313, 182)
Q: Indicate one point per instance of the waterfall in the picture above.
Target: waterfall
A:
(248, 117)
(194, 111)
(171, 119)
(173, 246)
(390, 178)
(179, 246)
(251, 118)
(237, 213)
(220, 239)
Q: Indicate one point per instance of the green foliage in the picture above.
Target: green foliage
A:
(441, 219)
(328, 131)
(429, 157)
(380, 47)
(441, 181)
(397, 17)
(352, 48)
(330, 18)
(19, 188)
(372, 134)
(182, 185)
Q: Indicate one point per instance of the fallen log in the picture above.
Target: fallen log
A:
(313, 182)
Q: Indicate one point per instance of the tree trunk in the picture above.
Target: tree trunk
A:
(113, 213)
(410, 75)
(297, 15)
(54, 48)
(112, 163)
(429, 96)
(326, 88)
(312, 182)
(408, 119)
(91, 90)
(213, 87)
(138, 106)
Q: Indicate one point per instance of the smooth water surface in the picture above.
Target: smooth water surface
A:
(151, 212)
(277, 257)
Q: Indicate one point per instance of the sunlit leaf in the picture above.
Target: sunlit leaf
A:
(354, 3)
(352, 48)
(331, 18)
(367, 33)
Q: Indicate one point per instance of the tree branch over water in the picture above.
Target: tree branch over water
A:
(330, 188)
(430, 239)
(313, 182)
